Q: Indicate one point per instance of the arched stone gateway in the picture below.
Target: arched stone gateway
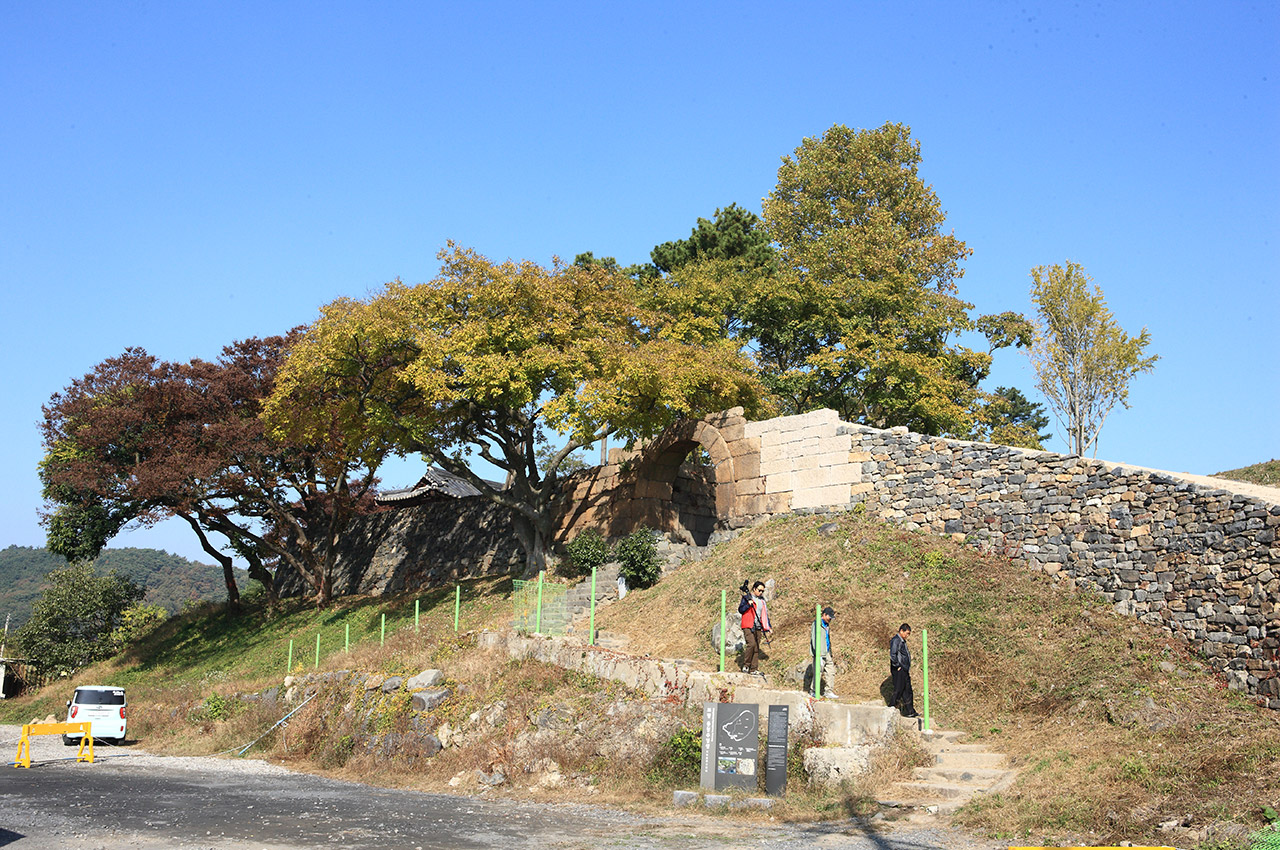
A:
(684, 483)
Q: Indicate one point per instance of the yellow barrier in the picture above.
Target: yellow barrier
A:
(81, 729)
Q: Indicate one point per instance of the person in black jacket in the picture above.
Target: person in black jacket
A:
(900, 670)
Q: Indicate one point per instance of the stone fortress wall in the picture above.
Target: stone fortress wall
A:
(1199, 561)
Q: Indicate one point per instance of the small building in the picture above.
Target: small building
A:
(434, 486)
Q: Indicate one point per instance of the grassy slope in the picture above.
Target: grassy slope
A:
(1266, 473)
(1034, 670)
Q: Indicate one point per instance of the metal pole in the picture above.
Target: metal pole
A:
(457, 605)
(346, 643)
(383, 641)
(417, 603)
(288, 671)
(537, 626)
(817, 651)
(924, 643)
(317, 649)
(723, 626)
(591, 625)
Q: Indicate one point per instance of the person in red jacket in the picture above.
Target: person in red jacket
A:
(755, 624)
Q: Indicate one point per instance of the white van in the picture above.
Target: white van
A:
(101, 705)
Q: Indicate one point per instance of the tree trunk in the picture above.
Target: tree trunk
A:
(535, 541)
(259, 573)
(324, 591)
(228, 570)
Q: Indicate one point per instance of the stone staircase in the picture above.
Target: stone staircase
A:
(578, 603)
(960, 772)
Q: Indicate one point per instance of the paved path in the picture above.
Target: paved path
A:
(152, 802)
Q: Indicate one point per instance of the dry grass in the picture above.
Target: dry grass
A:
(1047, 674)
(1266, 473)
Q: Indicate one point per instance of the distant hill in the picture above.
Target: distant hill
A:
(1266, 474)
(170, 580)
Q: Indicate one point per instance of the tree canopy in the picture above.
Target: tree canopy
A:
(734, 234)
(139, 440)
(846, 297)
(488, 358)
(1009, 418)
(1084, 361)
(72, 622)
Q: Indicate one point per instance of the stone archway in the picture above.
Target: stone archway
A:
(654, 487)
(690, 501)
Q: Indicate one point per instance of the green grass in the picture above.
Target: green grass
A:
(210, 646)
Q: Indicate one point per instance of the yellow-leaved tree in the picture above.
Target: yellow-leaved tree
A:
(1083, 360)
(489, 358)
(845, 295)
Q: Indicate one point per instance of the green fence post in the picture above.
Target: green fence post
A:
(924, 649)
(457, 605)
(288, 671)
(383, 640)
(537, 625)
(817, 651)
(723, 624)
(417, 603)
(591, 625)
(317, 650)
(346, 641)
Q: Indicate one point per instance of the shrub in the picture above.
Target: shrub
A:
(638, 561)
(586, 552)
(679, 761)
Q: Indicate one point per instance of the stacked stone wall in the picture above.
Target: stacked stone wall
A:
(1200, 562)
(422, 546)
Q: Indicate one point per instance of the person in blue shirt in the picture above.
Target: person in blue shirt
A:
(820, 645)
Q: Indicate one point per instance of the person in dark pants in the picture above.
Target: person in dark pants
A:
(755, 626)
(900, 670)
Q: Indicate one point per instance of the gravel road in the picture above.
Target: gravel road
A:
(128, 798)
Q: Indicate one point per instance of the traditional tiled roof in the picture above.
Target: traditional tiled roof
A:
(435, 484)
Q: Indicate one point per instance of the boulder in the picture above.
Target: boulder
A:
(430, 700)
(425, 679)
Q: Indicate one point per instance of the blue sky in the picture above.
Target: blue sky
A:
(179, 175)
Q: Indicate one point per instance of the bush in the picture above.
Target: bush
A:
(637, 556)
(586, 552)
(679, 761)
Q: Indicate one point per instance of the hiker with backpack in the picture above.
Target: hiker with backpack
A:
(755, 625)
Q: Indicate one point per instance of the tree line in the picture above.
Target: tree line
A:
(843, 294)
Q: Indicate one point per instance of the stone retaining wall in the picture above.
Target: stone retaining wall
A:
(422, 546)
(1200, 562)
(833, 724)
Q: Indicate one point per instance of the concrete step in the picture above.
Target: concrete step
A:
(919, 790)
(970, 760)
(611, 640)
(941, 737)
(982, 777)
